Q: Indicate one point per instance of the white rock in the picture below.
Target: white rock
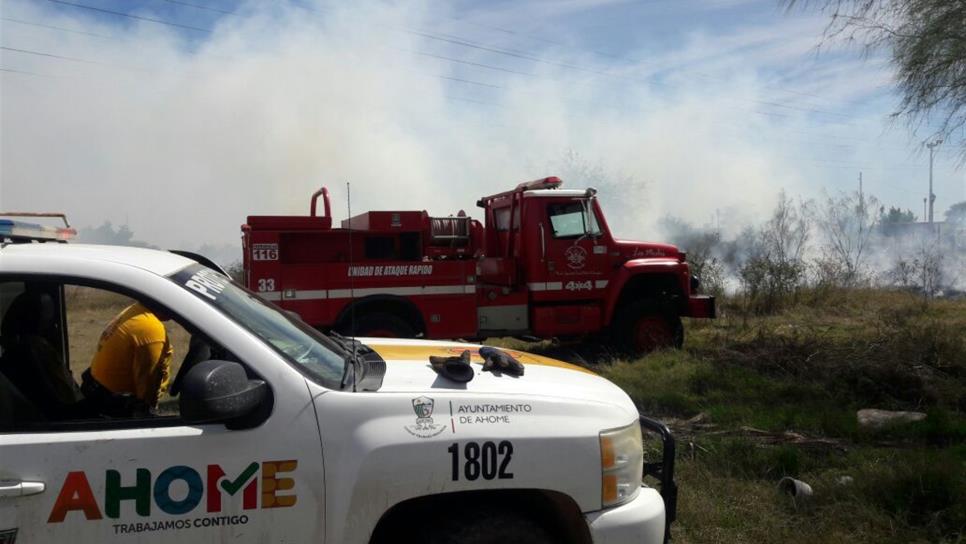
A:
(872, 418)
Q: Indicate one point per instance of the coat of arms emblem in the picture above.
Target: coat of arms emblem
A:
(423, 406)
(424, 427)
(576, 257)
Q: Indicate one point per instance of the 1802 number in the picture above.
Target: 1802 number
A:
(488, 460)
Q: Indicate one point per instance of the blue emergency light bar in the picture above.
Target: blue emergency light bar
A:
(23, 231)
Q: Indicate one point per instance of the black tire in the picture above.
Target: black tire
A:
(381, 324)
(644, 326)
(482, 526)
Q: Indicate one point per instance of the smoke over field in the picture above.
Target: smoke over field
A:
(181, 132)
(840, 240)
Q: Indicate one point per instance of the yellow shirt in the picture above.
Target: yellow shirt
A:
(134, 355)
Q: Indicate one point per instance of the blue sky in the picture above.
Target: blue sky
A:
(692, 108)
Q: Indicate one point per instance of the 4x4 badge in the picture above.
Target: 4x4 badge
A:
(424, 427)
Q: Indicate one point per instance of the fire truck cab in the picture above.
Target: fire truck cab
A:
(543, 263)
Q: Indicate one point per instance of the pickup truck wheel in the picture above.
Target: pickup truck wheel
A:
(485, 526)
(644, 326)
(384, 325)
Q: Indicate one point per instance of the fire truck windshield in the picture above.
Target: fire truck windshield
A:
(573, 219)
(306, 348)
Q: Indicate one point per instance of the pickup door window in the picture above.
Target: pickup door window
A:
(71, 472)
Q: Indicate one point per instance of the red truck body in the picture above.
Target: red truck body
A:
(543, 263)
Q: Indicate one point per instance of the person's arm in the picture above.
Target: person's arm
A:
(151, 365)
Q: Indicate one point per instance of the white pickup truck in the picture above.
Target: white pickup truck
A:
(287, 435)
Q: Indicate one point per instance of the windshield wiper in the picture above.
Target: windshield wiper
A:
(352, 361)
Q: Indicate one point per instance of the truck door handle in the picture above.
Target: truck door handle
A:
(543, 243)
(16, 488)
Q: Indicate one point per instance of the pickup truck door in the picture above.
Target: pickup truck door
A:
(156, 479)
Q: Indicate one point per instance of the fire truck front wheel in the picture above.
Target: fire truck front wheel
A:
(644, 326)
(383, 325)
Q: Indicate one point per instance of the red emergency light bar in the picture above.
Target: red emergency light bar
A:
(551, 182)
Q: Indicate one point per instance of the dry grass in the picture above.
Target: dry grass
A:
(807, 369)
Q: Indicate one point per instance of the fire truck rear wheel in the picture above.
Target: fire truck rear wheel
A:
(383, 325)
(485, 526)
(645, 326)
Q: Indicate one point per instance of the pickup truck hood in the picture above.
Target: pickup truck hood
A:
(408, 370)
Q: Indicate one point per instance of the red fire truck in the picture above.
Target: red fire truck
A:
(542, 264)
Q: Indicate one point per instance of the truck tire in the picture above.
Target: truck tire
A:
(381, 324)
(644, 326)
(483, 525)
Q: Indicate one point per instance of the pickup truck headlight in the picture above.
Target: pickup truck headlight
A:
(621, 463)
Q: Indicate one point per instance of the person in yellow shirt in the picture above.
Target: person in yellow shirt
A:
(131, 367)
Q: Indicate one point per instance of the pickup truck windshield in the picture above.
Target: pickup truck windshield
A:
(306, 348)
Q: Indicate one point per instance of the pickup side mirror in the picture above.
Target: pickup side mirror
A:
(220, 392)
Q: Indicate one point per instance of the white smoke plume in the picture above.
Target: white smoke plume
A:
(181, 134)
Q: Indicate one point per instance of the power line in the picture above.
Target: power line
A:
(471, 63)
(130, 16)
(825, 162)
(62, 29)
(51, 55)
(199, 6)
(89, 61)
(509, 53)
(431, 36)
(454, 40)
(449, 78)
(537, 38)
(25, 72)
(460, 80)
(441, 57)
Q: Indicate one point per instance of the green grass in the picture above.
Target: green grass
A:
(807, 369)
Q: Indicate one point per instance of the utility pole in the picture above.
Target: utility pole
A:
(932, 197)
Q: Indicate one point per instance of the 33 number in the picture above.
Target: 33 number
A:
(488, 460)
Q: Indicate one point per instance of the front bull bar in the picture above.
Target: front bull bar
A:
(663, 470)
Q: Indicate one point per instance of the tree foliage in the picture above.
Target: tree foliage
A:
(891, 222)
(775, 267)
(927, 41)
(847, 223)
(957, 213)
(895, 216)
(107, 233)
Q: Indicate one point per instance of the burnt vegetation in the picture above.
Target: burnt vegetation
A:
(808, 251)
